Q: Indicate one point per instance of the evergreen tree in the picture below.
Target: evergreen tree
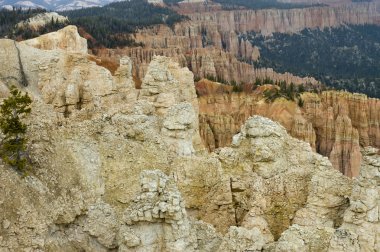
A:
(13, 146)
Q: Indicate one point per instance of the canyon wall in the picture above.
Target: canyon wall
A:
(114, 168)
(210, 45)
(328, 2)
(336, 124)
(287, 21)
(203, 62)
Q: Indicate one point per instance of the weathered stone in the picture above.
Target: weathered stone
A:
(92, 187)
(66, 39)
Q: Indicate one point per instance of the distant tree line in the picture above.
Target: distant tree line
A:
(9, 19)
(345, 58)
(112, 25)
(20, 33)
(289, 92)
(109, 26)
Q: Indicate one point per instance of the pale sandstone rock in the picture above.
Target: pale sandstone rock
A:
(171, 90)
(327, 201)
(165, 77)
(344, 240)
(361, 219)
(276, 176)
(207, 237)
(66, 39)
(102, 223)
(161, 204)
(87, 170)
(298, 238)
(79, 86)
(42, 19)
(179, 127)
(242, 239)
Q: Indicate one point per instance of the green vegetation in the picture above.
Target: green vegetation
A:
(108, 26)
(288, 92)
(345, 58)
(13, 145)
(9, 18)
(111, 25)
(20, 33)
(172, 2)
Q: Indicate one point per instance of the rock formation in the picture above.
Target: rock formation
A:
(361, 220)
(41, 20)
(66, 39)
(157, 218)
(125, 171)
(335, 124)
(210, 43)
(203, 62)
(292, 20)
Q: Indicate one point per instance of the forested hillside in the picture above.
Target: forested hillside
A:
(111, 25)
(343, 58)
(9, 18)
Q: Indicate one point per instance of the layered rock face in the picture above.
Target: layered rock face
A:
(210, 45)
(126, 172)
(284, 21)
(203, 62)
(335, 124)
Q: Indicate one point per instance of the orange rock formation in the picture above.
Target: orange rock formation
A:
(336, 124)
(210, 45)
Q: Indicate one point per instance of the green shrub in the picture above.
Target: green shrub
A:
(13, 146)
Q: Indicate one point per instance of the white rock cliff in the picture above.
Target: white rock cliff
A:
(122, 169)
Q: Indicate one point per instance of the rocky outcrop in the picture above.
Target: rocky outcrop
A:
(158, 207)
(336, 124)
(211, 45)
(125, 171)
(66, 39)
(170, 90)
(290, 20)
(80, 83)
(206, 52)
(361, 223)
(40, 20)
(203, 62)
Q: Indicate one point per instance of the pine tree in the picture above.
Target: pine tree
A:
(13, 146)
